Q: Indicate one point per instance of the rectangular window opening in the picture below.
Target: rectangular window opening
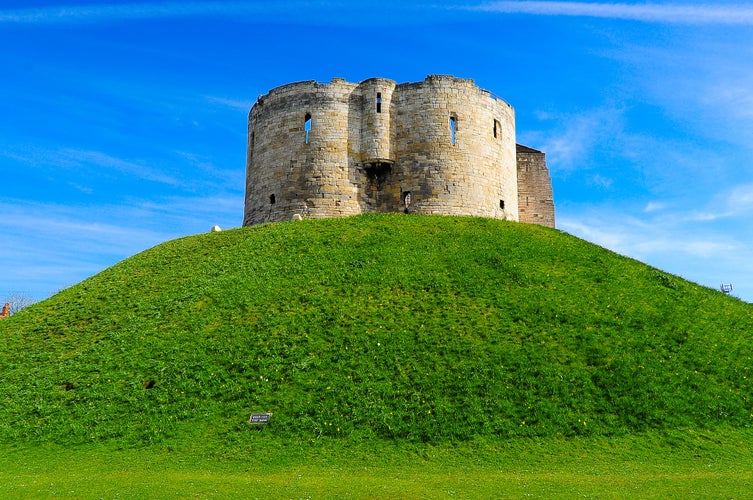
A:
(379, 102)
(502, 204)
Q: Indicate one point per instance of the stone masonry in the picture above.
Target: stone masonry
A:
(441, 146)
(535, 203)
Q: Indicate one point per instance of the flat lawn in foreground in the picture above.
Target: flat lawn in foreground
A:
(679, 465)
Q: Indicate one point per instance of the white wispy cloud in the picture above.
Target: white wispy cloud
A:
(735, 202)
(654, 206)
(306, 11)
(82, 159)
(600, 234)
(49, 246)
(386, 11)
(99, 159)
(675, 13)
(197, 213)
(601, 181)
(125, 11)
(242, 105)
(732, 98)
(697, 245)
(571, 138)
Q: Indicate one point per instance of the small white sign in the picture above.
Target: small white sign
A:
(259, 418)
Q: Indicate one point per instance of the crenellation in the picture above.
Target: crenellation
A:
(338, 149)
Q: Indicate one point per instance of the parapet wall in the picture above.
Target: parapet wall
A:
(441, 146)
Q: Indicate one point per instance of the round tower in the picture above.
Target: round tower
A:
(298, 150)
(440, 146)
(456, 149)
(376, 127)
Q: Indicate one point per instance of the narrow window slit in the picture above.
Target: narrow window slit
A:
(307, 126)
(251, 140)
(379, 102)
(497, 129)
(272, 199)
(453, 127)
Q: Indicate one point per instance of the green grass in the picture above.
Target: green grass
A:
(670, 465)
(418, 333)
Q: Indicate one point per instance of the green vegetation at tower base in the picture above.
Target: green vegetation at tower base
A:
(434, 350)
(652, 465)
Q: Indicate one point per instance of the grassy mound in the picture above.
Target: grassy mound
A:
(430, 329)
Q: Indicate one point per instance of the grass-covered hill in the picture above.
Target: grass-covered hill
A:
(393, 327)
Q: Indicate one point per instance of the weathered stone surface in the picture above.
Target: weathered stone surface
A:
(535, 199)
(441, 146)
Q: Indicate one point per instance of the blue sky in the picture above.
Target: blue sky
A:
(123, 124)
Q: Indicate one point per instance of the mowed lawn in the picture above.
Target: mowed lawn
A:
(694, 465)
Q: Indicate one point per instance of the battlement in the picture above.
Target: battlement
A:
(440, 146)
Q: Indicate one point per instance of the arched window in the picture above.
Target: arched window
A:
(453, 127)
(497, 129)
(307, 126)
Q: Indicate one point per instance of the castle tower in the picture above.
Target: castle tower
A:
(377, 129)
(375, 157)
(456, 149)
(535, 199)
(441, 146)
(298, 150)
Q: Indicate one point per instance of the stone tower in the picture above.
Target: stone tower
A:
(535, 201)
(441, 146)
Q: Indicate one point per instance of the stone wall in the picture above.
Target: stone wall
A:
(535, 198)
(441, 146)
(292, 170)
